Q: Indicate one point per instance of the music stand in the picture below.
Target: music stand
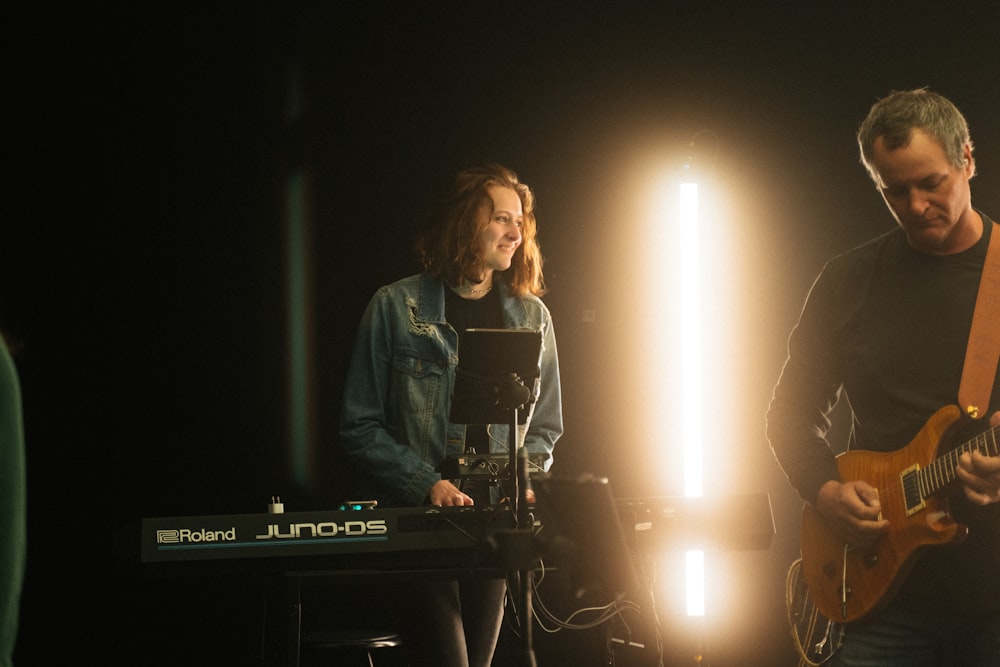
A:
(494, 366)
(496, 380)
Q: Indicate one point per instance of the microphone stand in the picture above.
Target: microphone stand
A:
(524, 539)
(517, 546)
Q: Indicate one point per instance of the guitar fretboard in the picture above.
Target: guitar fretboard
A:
(941, 471)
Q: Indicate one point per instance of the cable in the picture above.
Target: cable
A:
(803, 615)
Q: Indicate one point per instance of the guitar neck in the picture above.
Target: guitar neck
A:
(941, 471)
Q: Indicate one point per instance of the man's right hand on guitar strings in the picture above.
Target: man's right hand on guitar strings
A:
(853, 510)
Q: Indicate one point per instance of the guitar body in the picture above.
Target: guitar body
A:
(873, 576)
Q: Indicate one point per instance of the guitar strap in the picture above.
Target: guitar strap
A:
(984, 339)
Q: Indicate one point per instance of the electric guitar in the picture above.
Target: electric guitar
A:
(846, 583)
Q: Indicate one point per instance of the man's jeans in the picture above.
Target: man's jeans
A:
(903, 637)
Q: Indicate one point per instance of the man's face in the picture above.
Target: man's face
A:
(927, 194)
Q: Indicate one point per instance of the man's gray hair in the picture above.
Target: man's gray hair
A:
(895, 116)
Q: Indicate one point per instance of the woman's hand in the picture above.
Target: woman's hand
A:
(446, 494)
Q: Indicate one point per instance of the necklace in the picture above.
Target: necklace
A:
(469, 290)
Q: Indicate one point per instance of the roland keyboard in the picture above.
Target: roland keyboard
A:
(731, 522)
(320, 533)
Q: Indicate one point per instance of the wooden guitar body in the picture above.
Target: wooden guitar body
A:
(916, 519)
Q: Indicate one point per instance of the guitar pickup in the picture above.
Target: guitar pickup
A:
(913, 499)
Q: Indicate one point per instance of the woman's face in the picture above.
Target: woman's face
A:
(501, 235)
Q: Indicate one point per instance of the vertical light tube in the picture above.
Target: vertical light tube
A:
(298, 267)
(690, 323)
(691, 376)
(694, 564)
(299, 394)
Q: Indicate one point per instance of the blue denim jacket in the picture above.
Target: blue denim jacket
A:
(397, 397)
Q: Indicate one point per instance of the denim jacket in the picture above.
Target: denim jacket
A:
(397, 397)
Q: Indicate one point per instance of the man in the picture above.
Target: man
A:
(888, 324)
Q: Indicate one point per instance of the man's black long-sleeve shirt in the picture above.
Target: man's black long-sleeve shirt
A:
(889, 325)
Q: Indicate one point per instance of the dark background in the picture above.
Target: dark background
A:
(143, 248)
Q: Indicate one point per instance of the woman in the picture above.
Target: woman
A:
(482, 269)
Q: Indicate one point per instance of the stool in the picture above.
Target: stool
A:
(339, 642)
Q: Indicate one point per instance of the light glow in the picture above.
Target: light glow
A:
(706, 301)
(676, 371)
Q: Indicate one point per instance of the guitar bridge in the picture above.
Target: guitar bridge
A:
(913, 499)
